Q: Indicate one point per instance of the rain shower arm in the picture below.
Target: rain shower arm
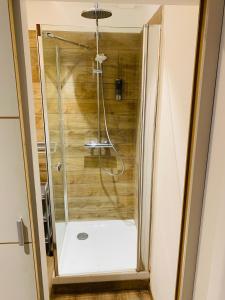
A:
(53, 36)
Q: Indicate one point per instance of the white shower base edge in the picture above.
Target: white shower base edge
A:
(111, 246)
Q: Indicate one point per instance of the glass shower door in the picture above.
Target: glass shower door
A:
(49, 56)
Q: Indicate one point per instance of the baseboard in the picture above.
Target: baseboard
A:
(101, 277)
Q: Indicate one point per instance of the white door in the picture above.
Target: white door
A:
(8, 103)
(17, 272)
(13, 193)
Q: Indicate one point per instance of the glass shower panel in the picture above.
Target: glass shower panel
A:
(80, 113)
(92, 193)
(54, 127)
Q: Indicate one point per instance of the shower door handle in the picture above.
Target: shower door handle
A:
(20, 230)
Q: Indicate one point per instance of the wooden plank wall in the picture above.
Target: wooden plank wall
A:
(92, 194)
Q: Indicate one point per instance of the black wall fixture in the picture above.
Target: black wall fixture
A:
(119, 89)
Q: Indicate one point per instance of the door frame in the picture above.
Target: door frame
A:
(210, 27)
(207, 57)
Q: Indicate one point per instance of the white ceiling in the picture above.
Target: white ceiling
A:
(157, 2)
(68, 13)
(62, 14)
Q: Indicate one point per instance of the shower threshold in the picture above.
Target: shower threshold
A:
(111, 247)
(126, 275)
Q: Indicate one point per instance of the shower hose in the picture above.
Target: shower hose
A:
(119, 157)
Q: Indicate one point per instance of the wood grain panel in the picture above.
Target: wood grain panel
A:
(89, 121)
(94, 176)
(84, 90)
(102, 287)
(118, 295)
(73, 57)
(111, 189)
(92, 194)
(96, 190)
(71, 106)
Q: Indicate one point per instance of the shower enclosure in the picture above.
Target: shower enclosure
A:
(99, 91)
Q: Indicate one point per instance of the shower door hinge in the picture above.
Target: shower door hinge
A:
(38, 29)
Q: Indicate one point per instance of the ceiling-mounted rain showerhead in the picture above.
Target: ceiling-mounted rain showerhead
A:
(96, 13)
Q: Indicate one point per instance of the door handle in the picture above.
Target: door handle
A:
(20, 230)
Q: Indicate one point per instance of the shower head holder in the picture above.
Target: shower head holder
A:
(100, 58)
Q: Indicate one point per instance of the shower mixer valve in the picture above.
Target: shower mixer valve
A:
(93, 144)
(97, 71)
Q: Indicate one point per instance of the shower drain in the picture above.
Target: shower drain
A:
(82, 236)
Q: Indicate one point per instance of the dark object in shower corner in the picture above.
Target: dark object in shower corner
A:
(119, 89)
(46, 206)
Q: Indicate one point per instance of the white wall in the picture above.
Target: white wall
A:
(179, 31)
(210, 275)
(68, 13)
